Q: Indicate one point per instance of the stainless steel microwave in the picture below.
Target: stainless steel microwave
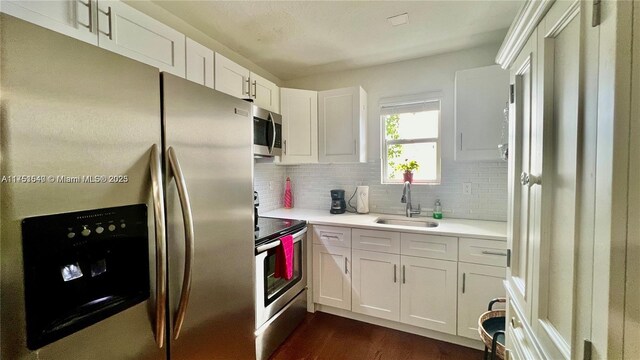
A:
(267, 132)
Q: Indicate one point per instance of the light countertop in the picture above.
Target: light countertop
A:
(496, 230)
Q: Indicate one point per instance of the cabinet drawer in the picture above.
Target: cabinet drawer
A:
(373, 240)
(430, 246)
(332, 236)
(520, 338)
(486, 252)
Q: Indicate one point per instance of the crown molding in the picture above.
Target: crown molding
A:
(524, 24)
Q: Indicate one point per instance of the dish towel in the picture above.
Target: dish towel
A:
(284, 258)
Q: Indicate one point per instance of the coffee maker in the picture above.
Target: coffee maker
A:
(338, 205)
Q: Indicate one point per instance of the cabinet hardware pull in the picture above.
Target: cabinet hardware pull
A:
(108, 13)
(464, 281)
(355, 146)
(285, 147)
(330, 237)
(487, 252)
(404, 276)
(394, 273)
(255, 89)
(248, 87)
(530, 180)
(89, 6)
(346, 271)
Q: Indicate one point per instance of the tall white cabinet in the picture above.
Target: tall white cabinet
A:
(550, 277)
(342, 125)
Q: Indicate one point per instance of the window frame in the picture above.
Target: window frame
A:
(384, 143)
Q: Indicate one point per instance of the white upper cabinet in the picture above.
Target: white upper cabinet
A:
(231, 78)
(75, 18)
(481, 95)
(199, 64)
(342, 125)
(299, 110)
(265, 94)
(126, 31)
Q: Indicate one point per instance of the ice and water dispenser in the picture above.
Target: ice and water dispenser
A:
(82, 267)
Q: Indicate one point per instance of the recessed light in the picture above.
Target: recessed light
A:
(398, 19)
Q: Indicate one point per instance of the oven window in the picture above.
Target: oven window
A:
(274, 287)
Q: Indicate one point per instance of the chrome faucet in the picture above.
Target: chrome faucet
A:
(406, 199)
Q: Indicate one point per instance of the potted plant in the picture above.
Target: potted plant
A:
(407, 168)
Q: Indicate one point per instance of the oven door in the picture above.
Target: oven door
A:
(272, 294)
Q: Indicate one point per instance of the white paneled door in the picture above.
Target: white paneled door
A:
(199, 63)
(477, 285)
(231, 78)
(376, 284)
(299, 110)
(331, 276)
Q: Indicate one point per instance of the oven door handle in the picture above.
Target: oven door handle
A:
(268, 246)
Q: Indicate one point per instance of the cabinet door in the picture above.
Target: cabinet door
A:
(376, 284)
(129, 32)
(523, 200)
(199, 65)
(231, 78)
(477, 285)
(331, 276)
(299, 110)
(555, 270)
(265, 94)
(75, 18)
(342, 125)
(428, 293)
(481, 96)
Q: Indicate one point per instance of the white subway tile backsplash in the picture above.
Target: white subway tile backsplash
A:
(311, 185)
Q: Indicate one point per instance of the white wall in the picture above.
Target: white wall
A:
(177, 23)
(311, 183)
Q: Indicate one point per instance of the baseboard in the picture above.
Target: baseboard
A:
(454, 339)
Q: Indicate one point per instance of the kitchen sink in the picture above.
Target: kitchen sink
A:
(407, 222)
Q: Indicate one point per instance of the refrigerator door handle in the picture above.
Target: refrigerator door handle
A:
(187, 216)
(161, 255)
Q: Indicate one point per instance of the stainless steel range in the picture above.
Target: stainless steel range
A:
(280, 304)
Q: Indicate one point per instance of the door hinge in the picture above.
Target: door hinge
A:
(587, 350)
(508, 257)
(512, 93)
(595, 19)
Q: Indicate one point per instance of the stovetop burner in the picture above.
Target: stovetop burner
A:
(269, 228)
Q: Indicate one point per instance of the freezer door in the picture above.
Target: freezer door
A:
(69, 109)
(209, 160)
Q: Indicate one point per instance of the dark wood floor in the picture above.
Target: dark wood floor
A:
(323, 336)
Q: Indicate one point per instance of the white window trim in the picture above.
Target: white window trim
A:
(405, 100)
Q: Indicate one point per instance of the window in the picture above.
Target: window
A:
(411, 131)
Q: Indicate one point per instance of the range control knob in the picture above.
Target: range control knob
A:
(85, 231)
(71, 235)
(99, 230)
(123, 225)
(112, 227)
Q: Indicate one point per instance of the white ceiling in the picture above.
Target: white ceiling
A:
(294, 39)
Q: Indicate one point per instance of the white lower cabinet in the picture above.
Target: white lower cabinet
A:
(477, 285)
(376, 284)
(428, 293)
(331, 276)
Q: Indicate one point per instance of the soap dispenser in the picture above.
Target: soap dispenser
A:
(437, 210)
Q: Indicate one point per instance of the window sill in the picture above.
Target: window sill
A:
(413, 183)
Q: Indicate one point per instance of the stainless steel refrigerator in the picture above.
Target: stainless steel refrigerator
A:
(69, 110)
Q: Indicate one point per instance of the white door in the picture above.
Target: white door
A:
(428, 293)
(75, 18)
(477, 285)
(265, 94)
(199, 64)
(231, 78)
(331, 276)
(341, 128)
(129, 32)
(299, 109)
(523, 200)
(553, 310)
(376, 284)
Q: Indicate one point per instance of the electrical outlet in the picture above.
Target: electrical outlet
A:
(466, 188)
